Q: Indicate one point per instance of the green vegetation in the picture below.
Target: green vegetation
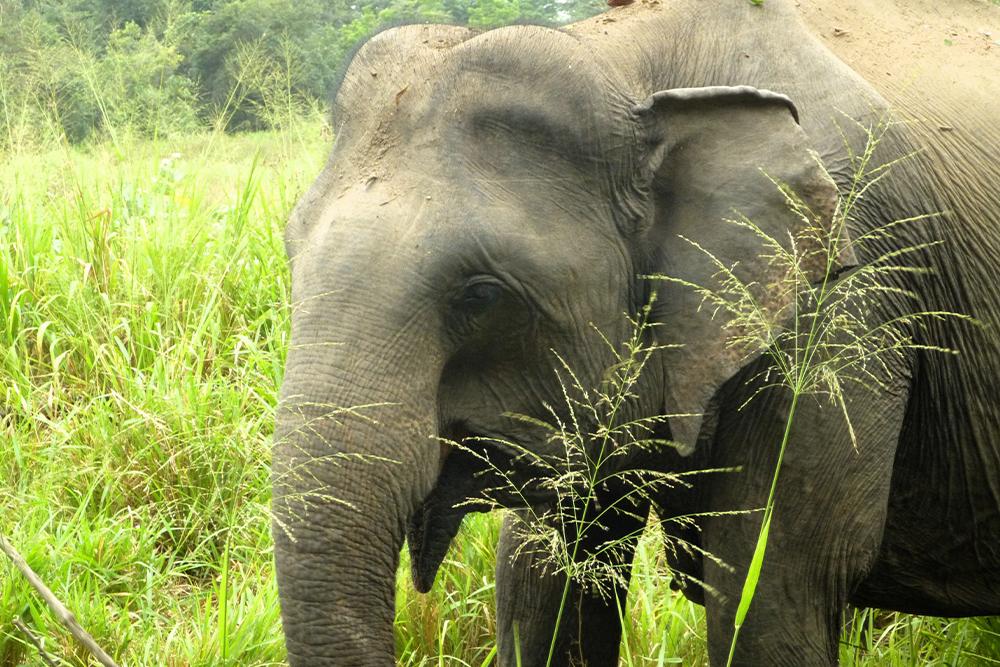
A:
(143, 330)
(143, 321)
(72, 70)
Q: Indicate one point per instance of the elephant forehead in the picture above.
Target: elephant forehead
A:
(424, 232)
(398, 213)
(523, 92)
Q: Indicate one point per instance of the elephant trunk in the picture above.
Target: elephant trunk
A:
(354, 455)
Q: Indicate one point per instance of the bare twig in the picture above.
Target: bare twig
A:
(62, 613)
(20, 625)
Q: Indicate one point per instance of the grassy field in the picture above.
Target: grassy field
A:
(143, 323)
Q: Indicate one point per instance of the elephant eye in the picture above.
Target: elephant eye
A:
(479, 294)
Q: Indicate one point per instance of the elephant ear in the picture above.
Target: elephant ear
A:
(714, 155)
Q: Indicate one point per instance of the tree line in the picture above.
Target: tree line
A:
(75, 70)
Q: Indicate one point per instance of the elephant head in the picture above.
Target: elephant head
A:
(491, 199)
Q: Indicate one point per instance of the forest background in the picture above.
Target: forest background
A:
(76, 70)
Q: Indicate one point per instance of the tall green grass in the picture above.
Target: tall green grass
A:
(143, 323)
(143, 296)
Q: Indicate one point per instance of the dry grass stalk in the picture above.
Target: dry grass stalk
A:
(64, 615)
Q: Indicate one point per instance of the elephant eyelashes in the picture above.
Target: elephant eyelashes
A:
(478, 296)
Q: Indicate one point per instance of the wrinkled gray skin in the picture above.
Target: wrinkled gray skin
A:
(492, 195)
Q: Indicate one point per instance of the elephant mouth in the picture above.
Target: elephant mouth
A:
(476, 476)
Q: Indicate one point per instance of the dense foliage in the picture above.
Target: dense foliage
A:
(74, 69)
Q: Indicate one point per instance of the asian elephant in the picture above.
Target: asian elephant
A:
(494, 197)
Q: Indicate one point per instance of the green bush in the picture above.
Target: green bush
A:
(137, 84)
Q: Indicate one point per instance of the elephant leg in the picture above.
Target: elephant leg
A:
(826, 529)
(530, 591)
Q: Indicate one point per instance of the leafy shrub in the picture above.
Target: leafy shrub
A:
(142, 89)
